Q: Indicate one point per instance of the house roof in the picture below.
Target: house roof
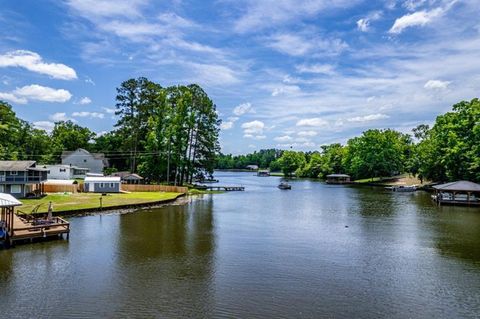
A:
(100, 156)
(459, 186)
(15, 165)
(338, 175)
(7, 200)
(102, 179)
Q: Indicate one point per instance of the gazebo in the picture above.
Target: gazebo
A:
(7, 208)
(457, 193)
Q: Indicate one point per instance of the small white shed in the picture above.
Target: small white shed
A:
(97, 184)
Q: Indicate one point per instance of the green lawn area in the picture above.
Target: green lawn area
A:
(64, 202)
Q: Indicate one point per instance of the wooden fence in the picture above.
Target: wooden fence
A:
(59, 188)
(153, 188)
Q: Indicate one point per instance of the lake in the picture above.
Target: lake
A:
(316, 251)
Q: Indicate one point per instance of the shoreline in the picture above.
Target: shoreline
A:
(181, 199)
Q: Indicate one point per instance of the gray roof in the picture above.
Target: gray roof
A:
(338, 175)
(7, 200)
(15, 165)
(459, 186)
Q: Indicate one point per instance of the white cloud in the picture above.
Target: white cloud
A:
(109, 110)
(93, 9)
(312, 122)
(305, 43)
(419, 18)
(363, 25)
(89, 114)
(253, 127)
(284, 138)
(85, 100)
(89, 81)
(255, 137)
(316, 68)
(285, 90)
(226, 125)
(242, 109)
(44, 125)
(37, 93)
(12, 98)
(368, 118)
(58, 117)
(34, 62)
(436, 84)
(307, 133)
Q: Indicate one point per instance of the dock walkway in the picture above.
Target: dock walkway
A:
(225, 188)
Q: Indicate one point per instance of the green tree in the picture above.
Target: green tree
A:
(291, 161)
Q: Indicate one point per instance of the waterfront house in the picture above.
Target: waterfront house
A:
(457, 193)
(21, 178)
(94, 162)
(65, 172)
(338, 179)
(102, 184)
(128, 178)
(263, 172)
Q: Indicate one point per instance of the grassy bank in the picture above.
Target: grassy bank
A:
(67, 202)
(403, 179)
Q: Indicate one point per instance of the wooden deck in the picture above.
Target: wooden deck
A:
(225, 188)
(24, 229)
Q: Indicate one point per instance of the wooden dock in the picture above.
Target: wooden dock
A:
(30, 228)
(225, 188)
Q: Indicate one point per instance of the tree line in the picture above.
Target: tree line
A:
(165, 134)
(448, 151)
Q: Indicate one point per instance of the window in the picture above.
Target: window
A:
(15, 189)
(13, 173)
(101, 185)
(84, 160)
(111, 185)
(62, 170)
(2, 188)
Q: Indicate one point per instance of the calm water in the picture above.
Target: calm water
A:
(260, 253)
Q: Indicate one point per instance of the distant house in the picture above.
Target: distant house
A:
(128, 178)
(20, 178)
(338, 179)
(252, 167)
(94, 162)
(93, 184)
(64, 172)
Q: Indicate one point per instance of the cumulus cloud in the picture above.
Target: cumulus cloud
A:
(255, 137)
(253, 127)
(419, 18)
(85, 100)
(364, 23)
(58, 117)
(307, 133)
(36, 92)
(33, 62)
(89, 114)
(312, 122)
(436, 84)
(44, 125)
(242, 109)
(285, 138)
(226, 125)
(368, 118)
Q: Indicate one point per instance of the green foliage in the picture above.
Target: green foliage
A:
(263, 159)
(291, 161)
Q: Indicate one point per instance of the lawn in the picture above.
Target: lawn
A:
(64, 202)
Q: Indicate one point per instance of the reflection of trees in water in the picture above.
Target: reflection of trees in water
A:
(458, 232)
(372, 201)
(166, 256)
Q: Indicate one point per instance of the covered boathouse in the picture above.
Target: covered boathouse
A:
(338, 179)
(457, 193)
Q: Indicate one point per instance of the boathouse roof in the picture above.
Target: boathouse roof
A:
(338, 175)
(7, 200)
(459, 186)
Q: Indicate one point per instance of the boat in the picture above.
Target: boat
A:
(402, 188)
(284, 185)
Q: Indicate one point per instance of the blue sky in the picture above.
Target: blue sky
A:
(282, 73)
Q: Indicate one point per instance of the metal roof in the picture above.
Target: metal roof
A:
(7, 200)
(98, 179)
(338, 175)
(15, 165)
(459, 186)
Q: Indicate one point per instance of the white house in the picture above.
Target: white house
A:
(64, 172)
(94, 184)
(95, 162)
